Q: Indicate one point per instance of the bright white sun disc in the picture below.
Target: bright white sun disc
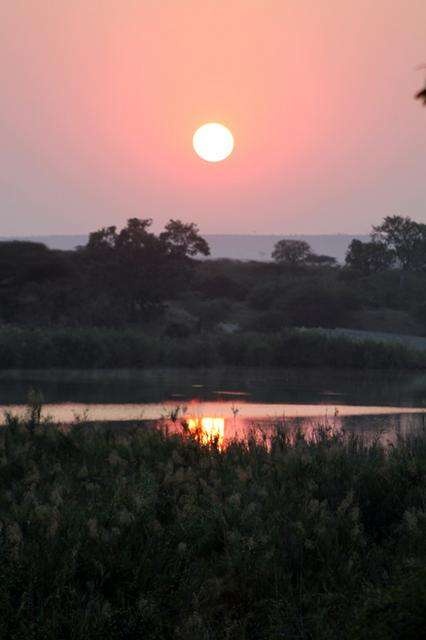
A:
(213, 142)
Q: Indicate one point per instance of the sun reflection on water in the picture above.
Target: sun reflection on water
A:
(208, 430)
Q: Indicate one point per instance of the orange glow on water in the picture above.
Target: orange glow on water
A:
(208, 429)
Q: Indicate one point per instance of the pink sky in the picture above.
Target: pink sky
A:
(100, 99)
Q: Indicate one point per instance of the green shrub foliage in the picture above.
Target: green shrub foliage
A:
(129, 533)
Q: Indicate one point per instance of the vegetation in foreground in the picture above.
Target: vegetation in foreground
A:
(126, 533)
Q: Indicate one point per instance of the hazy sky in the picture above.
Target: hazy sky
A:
(99, 100)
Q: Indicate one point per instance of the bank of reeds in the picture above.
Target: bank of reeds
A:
(120, 533)
(128, 348)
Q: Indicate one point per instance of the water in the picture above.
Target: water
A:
(365, 402)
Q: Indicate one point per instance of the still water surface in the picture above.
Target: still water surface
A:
(365, 402)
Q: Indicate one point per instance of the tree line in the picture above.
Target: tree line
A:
(398, 242)
(133, 276)
(118, 274)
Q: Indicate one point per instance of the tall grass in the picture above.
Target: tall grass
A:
(127, 533)
(104, 348)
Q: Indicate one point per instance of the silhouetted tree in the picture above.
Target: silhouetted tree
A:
(135, 236)
(369, 257)
(137, 268)
(22, 262)
(421, 95)
(103, 240)
(183, 239)
(29, 271)
(291, 252)
(405, 238)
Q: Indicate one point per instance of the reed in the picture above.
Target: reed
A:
(132, 348)
(129, 533)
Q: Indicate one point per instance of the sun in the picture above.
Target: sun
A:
(213, 142)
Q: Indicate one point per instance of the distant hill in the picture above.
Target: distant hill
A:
(253, 247)
(239, 247)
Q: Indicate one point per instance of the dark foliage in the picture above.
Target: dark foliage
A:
(369, 257)
(127, 533)
(154, 285)
(421, 95)
(179, 346)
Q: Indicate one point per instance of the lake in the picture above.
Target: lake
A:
(231, 401)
